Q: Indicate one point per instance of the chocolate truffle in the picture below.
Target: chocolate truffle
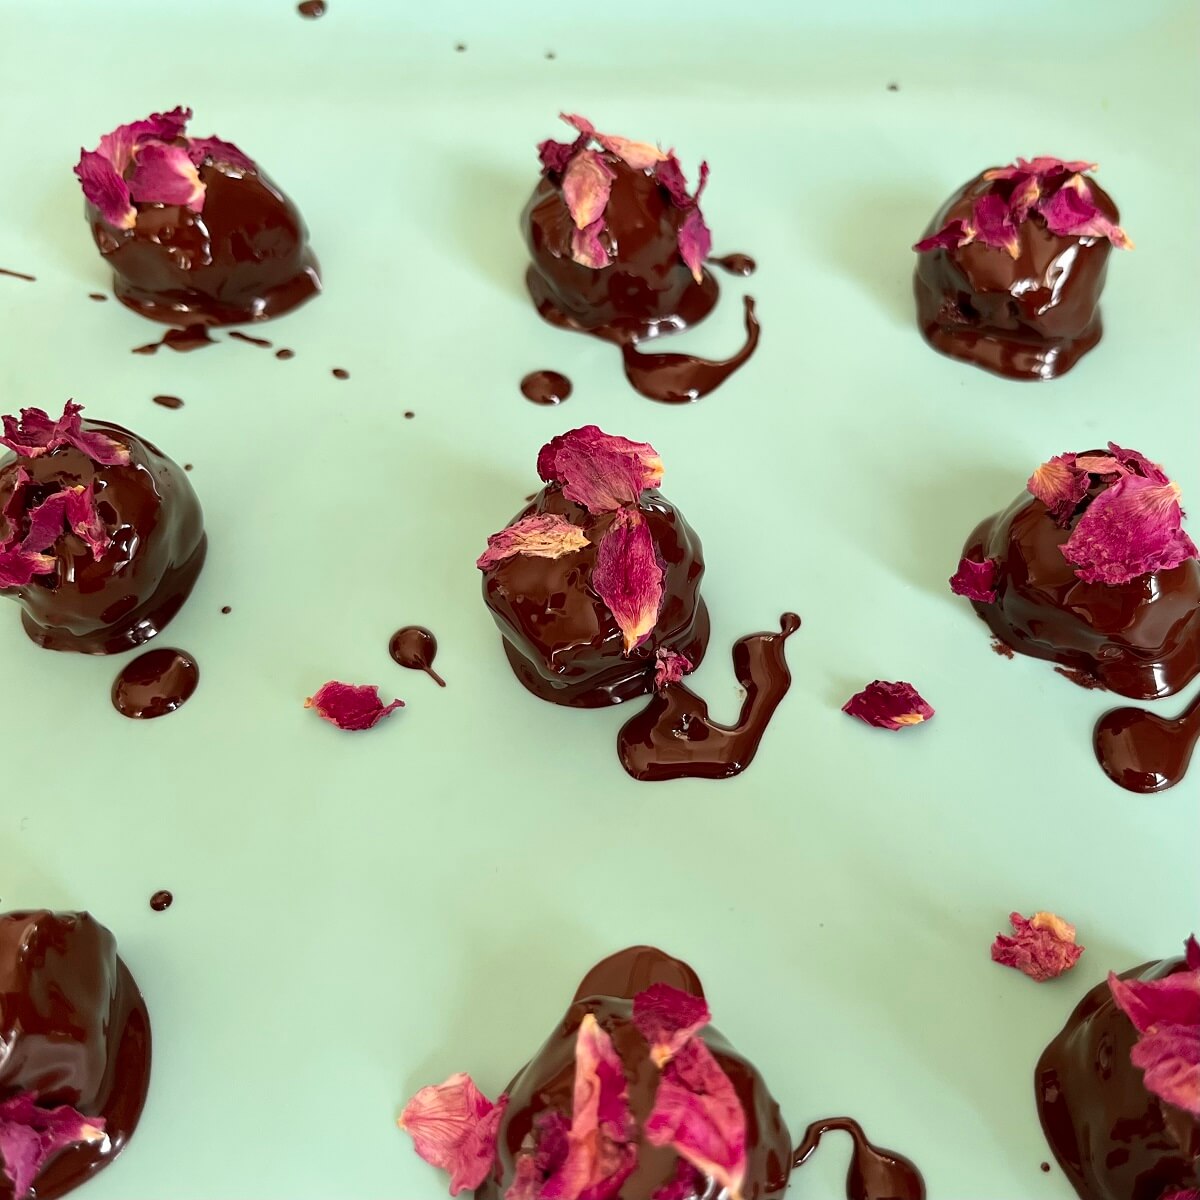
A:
(1090, 569)
(616, 240)
(1113, 1136)
(196, 233)
(1010, 270)
(101, 535)
(74, 1032)
(597, 577)
(636, 1039)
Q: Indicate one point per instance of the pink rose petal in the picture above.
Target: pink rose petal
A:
(888, 705)
(35, 434)
(166, 175)
(697, 1113)
(993, 224)
(586, 247)
(1138, 463)
(669, 174)
(1072, 211)
(1042, 947)
(541, 1156)
(669, 667)
(586, 185)
(1060, 484)
(1173, 1000)
(1042, 167)
(695, 243)
(453, 1126)
(46, 522)
(30, 1136)
(555, 156)
(103, 187)
(951, 235)
(975, 580)
(639, 156)
(601, 471)
(214, 150)
(628, 576)
(542, 535)
(1169, 1057)
(19, 565)
(85, 521)
(667, 1017)
(688, 1183)
(350, 706)
(584, 127)
(120, 146)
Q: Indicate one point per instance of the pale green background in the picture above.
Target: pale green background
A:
(359, 915)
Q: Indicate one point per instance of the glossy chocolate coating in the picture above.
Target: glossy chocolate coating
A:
(1139, 639)
(74, 1030)
(645, 290)
(245, 257)
(547, 1082)
(1114, 1139)
(1029, 317)
(158, 547)
(560, 638)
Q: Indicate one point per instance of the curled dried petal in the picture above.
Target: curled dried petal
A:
(120, 146)
(19, 565)
(35, 434)
(1040, 167)
(640, 156)
(992, 220)
(214, 150)
(31, 1135)
(601, 471)
(951, 235)
(85, 521)
(1042, 947)
(542, 1154)
(104, 188)
(1138, 463)
(587, 183)
(889, 705)
(668, 173)
(975, 580)
(667, 1017)
(554, 156)
(628, 576)
(1072, 211)
(166, 175)
(350, 706)
(695, 243)
(1172, 1000)
(581, 124)
(1060, 484)
(542, 535)
(670, 667)
(586, 247)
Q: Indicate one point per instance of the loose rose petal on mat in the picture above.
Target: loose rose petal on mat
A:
(993, 224)
(640, 156)
(628, 577)
(975, 580)
(541, 1156)
(103, 187)
(586, 185)
(1060, 484)
(667, 1017)
(599, 470)
(586, 247)
(951, 235)
(669, 667)
(350, 706)
(30, 1136)
(888, 705)
(697, 1113)
(542, 535)
(1042, 947)
(213, 149)
(453, 1126)
(166, 175)
(695, 243)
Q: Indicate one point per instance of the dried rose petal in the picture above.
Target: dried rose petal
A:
(640, 156)
(668, 173)
(1071, 210)
(586, 185)
(670, 667)
(46, 522)
(453, 1126)
(951, 235)
(1138, 463)
(697, 1113)
(1173, 1000)
(554, 156)
(628, 576)
(1041, 166)
(888, 705)
(667, 1017)
(19, 565)
(599, 470)
(1043, 947)
(1181, 1194)
(975, 580)
(35, 434)
(214, 150)
(1169, 1059)
(1060, 484)
(30, 1136)
(992, 221)
(85, 520)
(15, 505)
(166, 175)
(686, 1184)
(542, 1154)
(586, 247)
(695, 243)
(1099, 464)
(543, 535)
(350, 706)
(104, 188)
(120, 146)
(582, 124)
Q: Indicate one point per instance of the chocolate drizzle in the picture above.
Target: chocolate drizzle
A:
(1143, 752)
(673, 736)
(191, 337)
(874, 1174)
(736, 264)
(545, 387)
(415, 647)
(155, 683)
(168, 401)
(18, 275)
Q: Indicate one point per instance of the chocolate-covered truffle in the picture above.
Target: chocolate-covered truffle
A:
(73, 1031)
(195, 231)
(1011, 268)
(101, 535)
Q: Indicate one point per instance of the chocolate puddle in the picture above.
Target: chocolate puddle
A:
(545, 387)
(191, 337)
(415, 647)
(154, 684)
(673, 737)
(874, 1173)
(97, 296)
(736, 264)
(1143, 752)
(18, 275)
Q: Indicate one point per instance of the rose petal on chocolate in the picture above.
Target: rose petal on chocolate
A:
(542, 535)
(350, 706)
(165, 174)
(555, 156)
(628, 577)
(586, 247)
(888, 705)
(542, 1154)
(1130, 529)
(85, 521)
(99, 447)
(16, 504)
(951, 235)
(1138, 463)
(639, 156)
(695, 243)
(120, 146)
(1070, 210)
(686, 1184)
(1025, 195)
(103, 187)
(46, 522)
(29, 435)
(993, 224)
(669, 667)
(668, 173)
(1041, 167)
(697, 1113)
(1042, 947)
(1172, 1000)
(19, 565)
(586, 185)
(214, 150)
(30, 1136)
(1099, 464)
(667, 1016)
(582, 124)
(1060, 484)
(602, 471)
(453, 1126)
(975, 580)
(1169, 1057)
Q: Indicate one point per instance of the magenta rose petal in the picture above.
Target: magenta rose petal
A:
(543, 535)
(695, 243)
(350, 706)
(1042, 947)
(103, 186)
(628, 576)
(31, 1135)
(889, 705)
(952, 235)
(601, 471)
(1060, 484)
(670, 667)
(214, 150)
(975, 580)
(166, 175)
(667, 1017)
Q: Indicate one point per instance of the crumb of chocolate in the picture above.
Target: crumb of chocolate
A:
(1046, 1167)
(1083, 679)
(460, 46)
(225, 608)
(408, 416)
(1002, 648)
(893, 87)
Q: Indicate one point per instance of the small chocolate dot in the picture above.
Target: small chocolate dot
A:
(97, 296)
(340, 373)
(161, 901)
(226, 609)
(460, 46)
(408, 416)
(285, 354)
(187, 466)
(1046, 1167)
(549, 53)
(893, 87)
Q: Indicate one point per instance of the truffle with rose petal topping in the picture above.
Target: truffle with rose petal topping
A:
(74, 1052)
(194, 230)
(634, 1095)
(1118, 1090)
(101, 535)
(1091, 568)
(1010, 270)
(598, 577)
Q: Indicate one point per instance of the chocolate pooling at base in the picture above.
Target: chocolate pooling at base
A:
(73, 1030)
(874, 1173)
(547, 1082)
(561, 640)
(673, 737)
(1143, 752)
(1029, 317)
(158, 546)
(1113, 1138)
(415, 647)
(155, 683)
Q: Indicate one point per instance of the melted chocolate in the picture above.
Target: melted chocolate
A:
(561, 640)
(161, 901)
(736, 264)
(155, 683)
(545, 387)
(245, 257)
(548, 1080)
(340, 373)
(1029, 317)
(285, 354)
(415, 647)
(97, 296)
(74, 1030)
(1114, 1139)
(1144, 752)
(249, 339)
(168, 401)
(158, 548)
(191, 337)
(1139, 639)
(874, 1174)
(226, 609)
(19, 275)
(311, 8)
(673, 737)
